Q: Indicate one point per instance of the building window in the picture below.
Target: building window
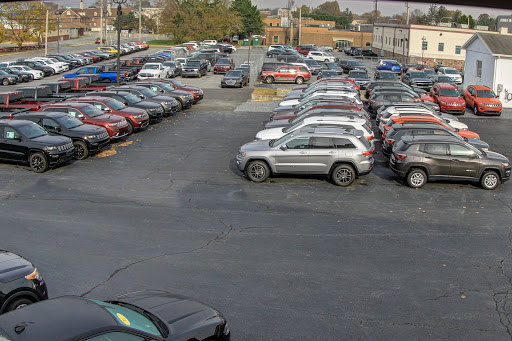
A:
(440, 47)
(424, 45)
(276, 39)
(270, 25)
(277, 24)
(368, 43)
(479, 69)
(458, 49)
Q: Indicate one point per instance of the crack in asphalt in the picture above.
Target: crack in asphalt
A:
(501, 299)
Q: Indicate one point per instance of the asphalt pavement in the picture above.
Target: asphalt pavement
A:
(294, 258)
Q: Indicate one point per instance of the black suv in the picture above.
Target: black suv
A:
(185, 99)
(20, 283)
(27, 142)
(87, 138)
(423, 158)
(196, 67)
(47, 70)
(170, 104)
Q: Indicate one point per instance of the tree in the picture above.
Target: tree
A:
(23, 21)
(330, 7)
(432, 13)
(128, 21)
(456, 16)
(472, 22)
(135, 3)
(463, 19)
(442, 12)
(486, 20)
(250, 15)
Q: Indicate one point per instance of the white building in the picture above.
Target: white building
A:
(489, 63)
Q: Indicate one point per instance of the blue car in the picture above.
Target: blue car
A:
(390, 65)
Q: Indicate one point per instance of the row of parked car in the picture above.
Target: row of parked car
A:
(324, 129)
(141, 315)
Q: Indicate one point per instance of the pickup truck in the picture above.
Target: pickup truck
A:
(105, 73)
(40, 94)
(72, 86)
(128, 72)
(14, 101)
(154, 70)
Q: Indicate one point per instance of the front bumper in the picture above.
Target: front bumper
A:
(453, 109)
(506, 177)
(61, 157)
(489, 110)
(186, 73)
(221, 69)
(98, 145)
(156, 117)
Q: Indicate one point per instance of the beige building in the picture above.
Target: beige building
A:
(417, 43)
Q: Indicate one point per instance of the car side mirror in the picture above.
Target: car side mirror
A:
(141, 96)
(283, 147)
(81, 116)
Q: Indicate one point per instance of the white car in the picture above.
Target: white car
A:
(322, 87)
(36, 73)
(210, 42)
(154, 70)
(344, 122)
(395, 111)
(334, 95)
(182, 61)
(7, 64)
(56, 68)
(326, 48)
(320, 56)
(452, 73)
(58, 62)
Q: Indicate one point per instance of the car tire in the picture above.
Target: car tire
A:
(257, 171)
(131, 128)
(416, 178)
(222, 86)
(475, 109)
(18, 303)
(327, 60)
(81, 150)
(269, 79)
(5, 81)
(490, 180)
(299, 80)
(180, 106)
(38, 162)
(343, 175)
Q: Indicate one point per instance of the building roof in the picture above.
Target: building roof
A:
(498, 44)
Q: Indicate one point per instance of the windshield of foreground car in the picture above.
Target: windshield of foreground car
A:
(418, 74)
(92, 111)
(193, 63)
(449, 92)
(444, 79)
(277, 142)
(311, 62)
(388, 75)
(150, 67)
(32, 130)
(451, 72)
(485, 94)
(115, 104)
(69, 121)
(359, 74)
(234, 73)
(329, 73)
(223, 61)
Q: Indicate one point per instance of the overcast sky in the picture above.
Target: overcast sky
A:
(356, 6)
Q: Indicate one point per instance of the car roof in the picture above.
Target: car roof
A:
(330, 131)
(446, 86)
(430, 138)
(40, 114)
(75, 315)
(67, 104)
(14, 123)
(480, 87)
(401, 126)
(414, 118)
(334, 118)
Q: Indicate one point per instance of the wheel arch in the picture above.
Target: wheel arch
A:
(341, 162)
(418, 166)
(21, 292)
(497, 170)
(264, 159)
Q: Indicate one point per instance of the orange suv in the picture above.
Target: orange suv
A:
(287, 73)
(482, 100)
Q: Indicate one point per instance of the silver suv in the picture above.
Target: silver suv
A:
(340, 154)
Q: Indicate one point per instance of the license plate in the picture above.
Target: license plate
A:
(230, 82)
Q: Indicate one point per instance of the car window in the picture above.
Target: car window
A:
(116, 336)
(458, 150)
(436, 148)
(50, 124)
(342, 143)
(298, 143)
(9, 133)
(284, 70)
(322, 143)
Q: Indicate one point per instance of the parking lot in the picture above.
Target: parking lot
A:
(293, 258)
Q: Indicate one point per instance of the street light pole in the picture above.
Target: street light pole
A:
(58, 13)
(46, 35)
(119, 14)
(140, 20)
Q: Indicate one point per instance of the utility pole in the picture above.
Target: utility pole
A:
(46, 36)
(291, 27)
(140, 20)
(300, 24)
(407, 18)
(249, 61)
(375, 19)
(106, 20)
(101, 24)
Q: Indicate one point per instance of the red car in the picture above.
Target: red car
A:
(177, 85)
(287, 73)
(144, 45)
(483, 100)
(448, 98)
(426, 119)
(136, 118)
(304, 50)
(116, 126)
(223, 65)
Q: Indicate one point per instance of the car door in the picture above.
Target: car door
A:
(293, 156)
(281, 73)
(435, 156)
(11, 146)
(464, 161)
(470, 96)
(322, 154)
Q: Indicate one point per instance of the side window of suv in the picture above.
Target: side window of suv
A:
(284, 70)
(436, 149)
(322, 143)
(458, 150)
(49, 124)
(10, 133)
(342, 143)
(298, 143)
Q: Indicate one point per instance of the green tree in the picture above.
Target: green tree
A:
(463, 19)
(250, 15)
(456, 16)
(472, 22)
(442, 12)
(331, 7)
(432, 13)
(128, 21)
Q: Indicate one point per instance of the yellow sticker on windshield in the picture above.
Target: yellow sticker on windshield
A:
(123, 319)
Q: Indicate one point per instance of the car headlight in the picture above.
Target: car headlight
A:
(91, 137)
(226, 331)
(113, 124)
(50, 148)
(166, 103)
(35, 275)
(183, 97)
(139, 116)
(506, 164)
(241, 154)
(152, 110)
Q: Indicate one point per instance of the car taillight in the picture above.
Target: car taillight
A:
(126, 74)
(369, 138)
(368, 153)
(372, 102)
(400, 156)
(390, 141)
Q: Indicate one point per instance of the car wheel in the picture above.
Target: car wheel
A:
(18, 303)
(327, 60)
(269, 79)
(343, 175)
(131, 129)
(81, 150)
(222, 86)
(38, 162)
(257, 171)
(490, 180)
(475, 109)
(180, 106)
(416, 178)
(299, 80)
(5, 81)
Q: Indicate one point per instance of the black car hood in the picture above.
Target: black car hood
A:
(180, 92)
(232, 78)
(496, 156)
(13, 266)
(50, 140)
(421, 80)
(145, 105)
(88, 129)
(478, 143)
(181, 314)
(162, 98)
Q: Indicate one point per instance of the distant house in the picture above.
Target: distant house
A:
(489, 62)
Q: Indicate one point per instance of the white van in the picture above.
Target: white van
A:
(210, 42)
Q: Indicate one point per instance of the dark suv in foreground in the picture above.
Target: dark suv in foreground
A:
(420, 159)
(27, 142)
(20, 283)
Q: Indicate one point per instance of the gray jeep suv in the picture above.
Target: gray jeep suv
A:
(341, 154)
(423, 158)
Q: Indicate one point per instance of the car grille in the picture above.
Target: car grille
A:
(419, 83)
(492, 105)
(230, 82)
(65, 147)
(454, 104)
(146, 75)
(102, 135)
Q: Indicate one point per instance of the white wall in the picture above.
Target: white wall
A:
(450, 37)
(504, 76)
(478, 51)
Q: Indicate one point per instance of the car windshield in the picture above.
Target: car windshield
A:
(166, 87)
(418, 74)
(69, 121)
(147, 92)
(277, 142)
(150, 67)
(91, 111)
(444, 79)
(292, 127)
(170, 64)
(429, 72)
(178, 83)
(356, 63)
(131, 98)
(311, 62)
(234, 73)
(115, 104)
(485, 94)
(193, 63)
(449, 92)
(334, 65)
(223, 61)
(451, 72)
(134, 317)
(359, 74)
(329, 73)
(32, 130)
(395, 64)
(388, 75)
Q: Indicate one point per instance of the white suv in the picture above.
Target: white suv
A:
(210, 42)
(321, 56)
(396, 111)
(154, 70)
(57, 68)
(452, 73)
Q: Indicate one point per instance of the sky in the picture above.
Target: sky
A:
(356, 6)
